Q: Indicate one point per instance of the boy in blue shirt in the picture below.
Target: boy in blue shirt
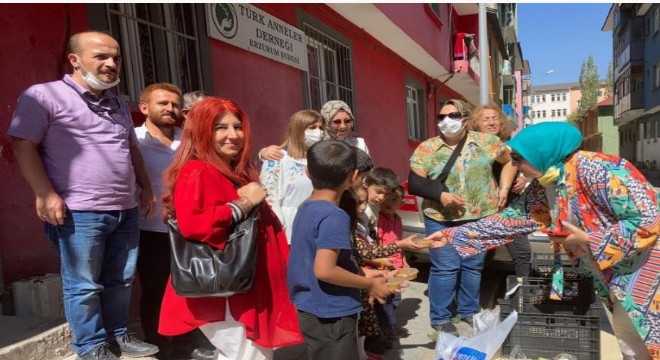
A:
(323, 274)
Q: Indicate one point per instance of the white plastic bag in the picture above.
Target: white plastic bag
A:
(485, 320)
(481, 346)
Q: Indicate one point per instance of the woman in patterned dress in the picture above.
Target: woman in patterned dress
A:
(609, 212)
(286, 183)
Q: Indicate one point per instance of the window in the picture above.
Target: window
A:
(552, 98)
(657, 75)
(160, 43)
(553, 114)
(415, 110)
(563, 112)
(330, 65)
(656, 20)
(543, 98)
(657, 128)
(563, 97)
(543, 114)
(600, 93)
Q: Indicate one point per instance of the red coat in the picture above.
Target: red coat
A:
(200, 199)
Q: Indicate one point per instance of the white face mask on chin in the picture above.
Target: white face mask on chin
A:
(94, 82)
(313, 136)
(450, 127)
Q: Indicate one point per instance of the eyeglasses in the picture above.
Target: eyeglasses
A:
(516, 157)
(340, 121)
(452, 115)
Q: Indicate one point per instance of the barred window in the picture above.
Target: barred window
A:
(330, 64)
(160, 43)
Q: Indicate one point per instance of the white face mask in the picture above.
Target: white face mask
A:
(313, 136)
(96, 83)
(450, 127)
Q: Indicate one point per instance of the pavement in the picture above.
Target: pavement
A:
(29, 338)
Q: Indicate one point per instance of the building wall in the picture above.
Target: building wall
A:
(628, 141)
(34, 40)
(651, 59)
(34, 46)
(548, 105)
(610, 133)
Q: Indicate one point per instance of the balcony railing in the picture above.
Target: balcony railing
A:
(631, 101)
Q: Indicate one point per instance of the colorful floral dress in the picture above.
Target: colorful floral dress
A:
(610, 199)
(471, 177)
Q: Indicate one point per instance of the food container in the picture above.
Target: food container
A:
(406, 274)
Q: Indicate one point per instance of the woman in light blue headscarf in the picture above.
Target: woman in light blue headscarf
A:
(599, 208)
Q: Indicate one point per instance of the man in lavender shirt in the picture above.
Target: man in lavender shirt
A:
(74, 143)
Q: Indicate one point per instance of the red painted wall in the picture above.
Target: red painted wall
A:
(33, 43)
(379, 84)
(33, 49)
(434, 35)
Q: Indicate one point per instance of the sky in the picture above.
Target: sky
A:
(561, 37)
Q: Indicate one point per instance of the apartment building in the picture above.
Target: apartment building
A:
(636, 49)
(550, 102)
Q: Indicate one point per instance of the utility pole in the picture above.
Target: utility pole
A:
(484, 78)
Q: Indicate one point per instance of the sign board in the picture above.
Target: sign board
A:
(252, 29)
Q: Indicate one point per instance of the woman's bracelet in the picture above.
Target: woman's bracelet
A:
(244, 204)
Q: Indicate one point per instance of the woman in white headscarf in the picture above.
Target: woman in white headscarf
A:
(339, 124)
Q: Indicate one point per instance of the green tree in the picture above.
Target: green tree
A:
(588, 86)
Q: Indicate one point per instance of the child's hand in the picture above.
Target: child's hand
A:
(373, 273)
(383, 263)
(378, 290)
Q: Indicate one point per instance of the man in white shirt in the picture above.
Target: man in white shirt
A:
(158, 139)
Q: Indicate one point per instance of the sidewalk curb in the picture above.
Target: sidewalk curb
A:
(48, 345)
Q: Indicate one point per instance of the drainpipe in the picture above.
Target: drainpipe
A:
(483, 57)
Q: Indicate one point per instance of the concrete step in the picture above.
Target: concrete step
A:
(33, 338)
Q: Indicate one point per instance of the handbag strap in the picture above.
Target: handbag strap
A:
(452, 159)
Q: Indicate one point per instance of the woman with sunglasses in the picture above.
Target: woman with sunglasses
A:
(601, 209)
(469, 193)
(339, 123)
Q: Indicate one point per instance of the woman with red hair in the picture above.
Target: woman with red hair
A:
(210, 185)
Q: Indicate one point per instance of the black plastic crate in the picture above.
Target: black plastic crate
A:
(546, 335)
(542, 265)
(533, 295)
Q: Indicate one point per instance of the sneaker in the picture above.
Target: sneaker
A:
(130, 346)
(100, 352)
(447, 327)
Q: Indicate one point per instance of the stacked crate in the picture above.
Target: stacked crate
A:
(547, 327)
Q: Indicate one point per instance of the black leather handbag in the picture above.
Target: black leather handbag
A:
(200, 270)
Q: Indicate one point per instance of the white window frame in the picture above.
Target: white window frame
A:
(553, 113)
(330, 75)
(415, 113)
(170, 61)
